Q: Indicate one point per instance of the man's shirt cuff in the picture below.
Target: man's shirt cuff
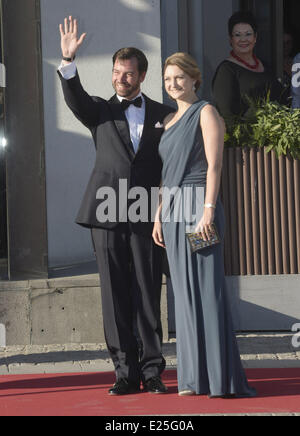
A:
(68, 71)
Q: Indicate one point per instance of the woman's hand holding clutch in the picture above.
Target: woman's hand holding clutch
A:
(205, 223)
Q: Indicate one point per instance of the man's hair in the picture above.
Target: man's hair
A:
(244, 17)
(132, 52)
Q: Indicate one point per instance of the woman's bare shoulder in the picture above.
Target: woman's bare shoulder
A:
(210, 110)
(210, 114)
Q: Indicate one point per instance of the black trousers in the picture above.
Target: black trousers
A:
(130, 279)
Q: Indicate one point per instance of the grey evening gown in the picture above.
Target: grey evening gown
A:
(207, 352)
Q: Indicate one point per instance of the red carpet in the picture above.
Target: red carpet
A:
(85, 394)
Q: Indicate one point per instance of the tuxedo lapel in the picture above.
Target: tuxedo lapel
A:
(148, 124)
(121, 124)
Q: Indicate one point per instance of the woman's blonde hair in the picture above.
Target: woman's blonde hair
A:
(186, 63)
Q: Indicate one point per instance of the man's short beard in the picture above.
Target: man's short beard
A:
(128, 91)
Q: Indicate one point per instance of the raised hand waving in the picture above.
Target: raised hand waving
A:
(69, 37)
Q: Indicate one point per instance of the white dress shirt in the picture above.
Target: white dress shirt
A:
(135, 115)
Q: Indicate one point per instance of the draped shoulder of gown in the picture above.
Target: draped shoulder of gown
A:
(207, 352)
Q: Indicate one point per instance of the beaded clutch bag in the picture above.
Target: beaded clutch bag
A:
(198, 243)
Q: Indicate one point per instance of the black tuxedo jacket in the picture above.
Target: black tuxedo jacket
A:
(115, 158)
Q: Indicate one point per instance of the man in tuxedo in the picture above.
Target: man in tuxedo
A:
(126, 130)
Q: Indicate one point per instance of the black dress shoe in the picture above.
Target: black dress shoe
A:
(124, 387)
(155, 386)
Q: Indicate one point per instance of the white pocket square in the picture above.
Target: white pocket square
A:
(158, 125)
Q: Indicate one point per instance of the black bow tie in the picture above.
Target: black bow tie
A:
(126, 103)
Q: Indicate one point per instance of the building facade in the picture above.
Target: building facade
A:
(47, 156)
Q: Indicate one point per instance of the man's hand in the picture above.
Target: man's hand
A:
(69, 41)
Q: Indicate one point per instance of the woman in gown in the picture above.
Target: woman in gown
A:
(192, 149)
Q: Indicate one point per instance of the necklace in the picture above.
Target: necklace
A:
(252, 67)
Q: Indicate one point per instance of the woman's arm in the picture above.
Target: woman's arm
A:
(157, 233)
(213, 130)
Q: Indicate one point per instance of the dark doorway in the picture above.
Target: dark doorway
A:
(25, 151)
(268, 14)
(3, 227)
(291, 23)
(291, 37)
(279, 34)
(3, 208)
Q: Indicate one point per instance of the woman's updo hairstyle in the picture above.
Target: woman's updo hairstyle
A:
(242, 17)
(186, 63)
